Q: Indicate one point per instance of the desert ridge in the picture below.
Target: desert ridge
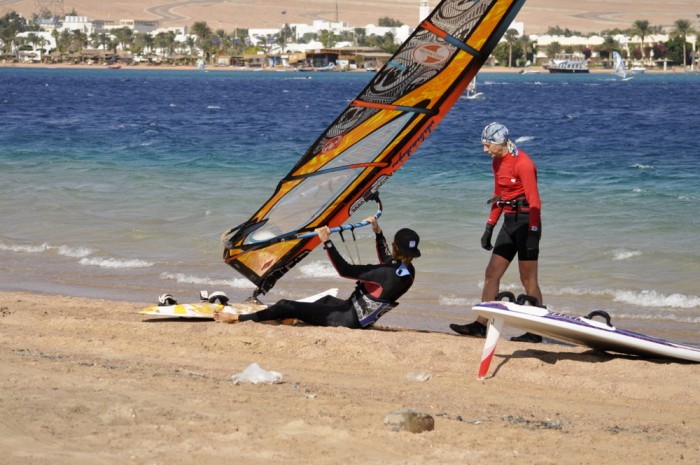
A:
(537, 15)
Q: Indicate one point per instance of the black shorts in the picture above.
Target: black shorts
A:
(512, 236)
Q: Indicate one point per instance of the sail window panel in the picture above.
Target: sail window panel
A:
(370, 147)
(304, 203)
(311, 197)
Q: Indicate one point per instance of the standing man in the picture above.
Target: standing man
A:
(516, 197)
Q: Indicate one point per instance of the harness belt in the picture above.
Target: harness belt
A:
(515, 204)
(369, 310)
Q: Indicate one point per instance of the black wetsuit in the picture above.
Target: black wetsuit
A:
(378, 288)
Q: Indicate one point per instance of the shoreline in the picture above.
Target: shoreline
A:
(485, 69)
(90, 380)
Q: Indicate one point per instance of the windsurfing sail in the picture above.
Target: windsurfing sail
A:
(471, 90)
(372, 138)
(471, 87)
(619, 68)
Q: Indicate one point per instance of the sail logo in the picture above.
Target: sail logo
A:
(330, 144)
(431, 54)
(373, 189)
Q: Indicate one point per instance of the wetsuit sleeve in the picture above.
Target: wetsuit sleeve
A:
(344, 269)
(379, 281)
(383, 251)
(527, 171)
(496, 210)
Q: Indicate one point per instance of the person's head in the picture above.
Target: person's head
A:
(405, 247)
(496, 140)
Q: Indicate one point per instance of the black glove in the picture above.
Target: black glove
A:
(532, 244)
(486, 238)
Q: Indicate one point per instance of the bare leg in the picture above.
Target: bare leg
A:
(528, 276)
(224, 317)
(492, 280)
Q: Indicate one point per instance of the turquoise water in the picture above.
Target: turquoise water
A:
(118, 184)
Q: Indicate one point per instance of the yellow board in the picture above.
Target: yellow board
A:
(200, 309)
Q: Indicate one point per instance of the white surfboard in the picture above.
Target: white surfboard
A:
(597, 334)
(206, 309)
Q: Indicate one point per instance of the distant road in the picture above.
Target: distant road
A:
(165, 13)
(8, 2)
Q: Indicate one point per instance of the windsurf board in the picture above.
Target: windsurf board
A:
(206, 309)
(585, 331)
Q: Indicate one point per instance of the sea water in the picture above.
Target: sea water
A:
(117, 184)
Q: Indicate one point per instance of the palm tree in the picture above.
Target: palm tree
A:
(528, 47)
(511, 37)
(190, 42)
(10, 26)
(124, 36)
(165, 41)
(64, 41)
(642, 28)
(78, 41)
(99, 39)
(681, 29)
(553, 49)
(203, 33)
(608, 46)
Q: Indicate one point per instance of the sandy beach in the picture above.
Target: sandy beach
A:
(88, 381)
(94, 382)
(484, 69)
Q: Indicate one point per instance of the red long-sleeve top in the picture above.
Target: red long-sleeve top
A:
(516, 175)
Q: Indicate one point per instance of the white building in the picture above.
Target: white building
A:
(77, 23)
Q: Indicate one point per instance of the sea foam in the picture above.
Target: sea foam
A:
(205, 281)
(318, 269)
(115, 262)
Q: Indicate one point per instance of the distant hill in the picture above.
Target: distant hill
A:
(538, 15)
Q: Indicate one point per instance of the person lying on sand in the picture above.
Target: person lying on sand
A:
(378, 286)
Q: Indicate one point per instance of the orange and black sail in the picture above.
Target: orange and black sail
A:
(378, 131)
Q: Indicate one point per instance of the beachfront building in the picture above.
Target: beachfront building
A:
(281, 46)
(258, 36)
(595, 42)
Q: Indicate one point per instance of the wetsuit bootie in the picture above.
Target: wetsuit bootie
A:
(475, 329)
(527, 337)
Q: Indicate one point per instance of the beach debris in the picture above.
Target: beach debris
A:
(409, 420)
(256, 374)
(535, 424)
(417, 376)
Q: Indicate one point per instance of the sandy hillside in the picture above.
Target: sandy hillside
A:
(538, 15)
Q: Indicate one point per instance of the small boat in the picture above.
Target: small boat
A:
(308, 69)
(637, 69)
(619, 68)
(568, 63)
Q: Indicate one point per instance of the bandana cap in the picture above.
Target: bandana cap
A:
(494, 133)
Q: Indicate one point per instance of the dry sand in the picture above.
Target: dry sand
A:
(93, 382)
(538, 15)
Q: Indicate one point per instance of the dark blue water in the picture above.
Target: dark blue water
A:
(120, 182)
